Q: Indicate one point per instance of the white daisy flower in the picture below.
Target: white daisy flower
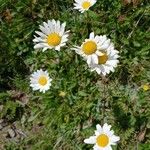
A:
(89, 48)
(40, 80)
(52, 35)
(107, 57)
(103, 138)
(84, 5)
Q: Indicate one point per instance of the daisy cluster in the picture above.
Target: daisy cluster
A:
(99, 53)
(97, 50)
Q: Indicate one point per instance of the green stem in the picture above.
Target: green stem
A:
(104, 98)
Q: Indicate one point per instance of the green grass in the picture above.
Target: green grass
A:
(50, 121)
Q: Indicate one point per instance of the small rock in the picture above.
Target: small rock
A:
(141, 135)
(11, 133)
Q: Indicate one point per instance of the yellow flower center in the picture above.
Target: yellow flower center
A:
(53, 39)
(146, 87)
(42, 80)
(89, 47)
(102, 59)
(102, 140)
(86, 5)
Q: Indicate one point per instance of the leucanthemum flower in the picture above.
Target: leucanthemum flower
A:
(89, 48)
(107, 57)
(103, 138)
(83, 5)
(40, 80)
(51, 36)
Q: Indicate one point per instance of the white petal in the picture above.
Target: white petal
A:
(96, 147)
(94, 59)
(108, 148)
(106, 127)
(92, 35)
(44, 30)
(99, 128)
(44, 49)
(57, 48)
(91, 140)
(89, 59)
(41, 34)
(115, 138)
(97, 133)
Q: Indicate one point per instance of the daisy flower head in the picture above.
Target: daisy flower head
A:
(40, 80)
(52, 35)
(89, 48)
(107, 57)
(83, 5)
(103, 138)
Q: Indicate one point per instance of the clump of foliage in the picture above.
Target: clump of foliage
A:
(56, 121)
